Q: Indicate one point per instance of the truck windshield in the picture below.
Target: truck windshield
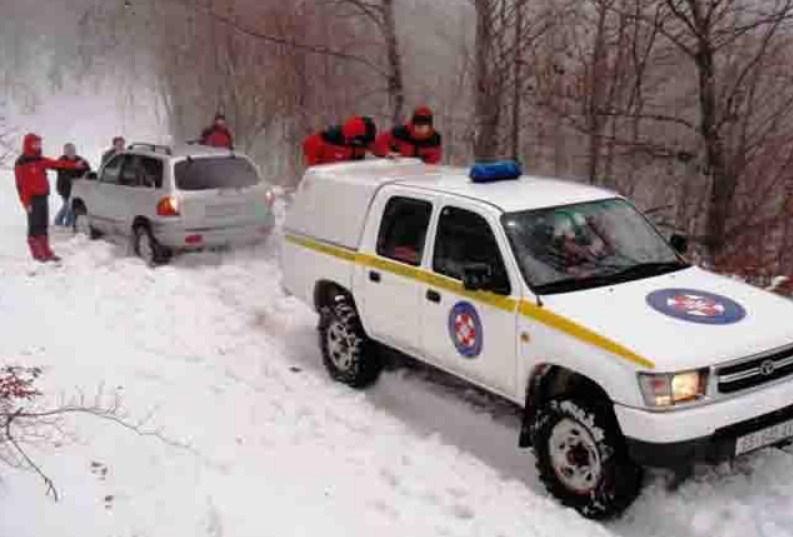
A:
(215, 173)
(588, 245)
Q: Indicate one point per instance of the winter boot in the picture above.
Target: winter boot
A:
(49, 255)
(36, 250)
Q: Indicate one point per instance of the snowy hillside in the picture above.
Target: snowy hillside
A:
(255, 440)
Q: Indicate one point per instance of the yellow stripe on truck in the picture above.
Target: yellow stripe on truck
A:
(322, 247)
(571, 328)
(526, 308)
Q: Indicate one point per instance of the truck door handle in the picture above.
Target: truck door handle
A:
(433, 296)
(374, 276)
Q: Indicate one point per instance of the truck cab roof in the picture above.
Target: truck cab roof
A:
(522, 194)
(333, 200)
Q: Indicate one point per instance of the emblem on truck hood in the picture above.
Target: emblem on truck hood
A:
(465, 329)
(696, 306)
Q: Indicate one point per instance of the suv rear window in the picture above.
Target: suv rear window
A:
(214, 173)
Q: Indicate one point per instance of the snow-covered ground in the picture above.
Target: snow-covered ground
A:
(255, 440)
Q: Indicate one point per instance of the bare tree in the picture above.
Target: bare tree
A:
(710, 35)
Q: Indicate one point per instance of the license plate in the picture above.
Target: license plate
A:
(763, 438)
(225, 211)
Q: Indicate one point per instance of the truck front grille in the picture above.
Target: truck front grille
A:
(755, 371)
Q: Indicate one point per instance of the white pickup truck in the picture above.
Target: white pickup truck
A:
(560, 297)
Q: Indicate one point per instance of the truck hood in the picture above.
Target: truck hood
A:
(684, 320)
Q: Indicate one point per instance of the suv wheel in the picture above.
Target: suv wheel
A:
(348, 354)
(582, 459)
(81, 225)
(147, 248)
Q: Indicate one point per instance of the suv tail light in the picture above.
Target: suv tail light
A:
(269, 197)
(168, 206)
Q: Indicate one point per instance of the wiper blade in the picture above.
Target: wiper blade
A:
(573, 284)
(588, 282)
(652, 268)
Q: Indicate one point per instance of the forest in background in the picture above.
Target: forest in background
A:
(686, 106)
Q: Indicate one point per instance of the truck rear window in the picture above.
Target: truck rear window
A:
(215, 173)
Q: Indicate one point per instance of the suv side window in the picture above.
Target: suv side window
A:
(142, 172)
(465, 238)
(403, 230)
(112, 170)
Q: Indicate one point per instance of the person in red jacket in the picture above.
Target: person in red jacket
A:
(218, 134)
(34, 189)
(340, 143)
(417, 139)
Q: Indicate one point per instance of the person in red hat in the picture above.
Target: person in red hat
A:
(218, 134)
(417, 139)
(34, 189)
(340, 143)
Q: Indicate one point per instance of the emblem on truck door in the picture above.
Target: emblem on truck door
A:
(465, 329)
(696, 306)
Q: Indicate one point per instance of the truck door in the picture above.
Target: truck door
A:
(391, 278)
(471, 334)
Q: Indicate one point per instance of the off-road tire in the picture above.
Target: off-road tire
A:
(81, 214)
(620, 479)
(348, 354)
(154, 254)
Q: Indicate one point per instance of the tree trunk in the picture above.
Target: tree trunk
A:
(396, 84)
(722, 181)
(596, 87)
(487, 105)
(517, 75)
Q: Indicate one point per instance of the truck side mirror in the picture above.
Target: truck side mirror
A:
(679, 243)
(477, 277)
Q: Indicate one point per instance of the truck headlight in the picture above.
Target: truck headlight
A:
(667, 389)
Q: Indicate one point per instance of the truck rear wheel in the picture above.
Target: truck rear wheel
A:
(348, 354)
(582, 459)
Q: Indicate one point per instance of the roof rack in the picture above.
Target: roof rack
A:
(151, 147)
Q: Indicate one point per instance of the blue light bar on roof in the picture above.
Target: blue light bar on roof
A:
(491, 172)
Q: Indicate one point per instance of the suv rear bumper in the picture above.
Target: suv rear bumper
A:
(182, 238)
(719, 446)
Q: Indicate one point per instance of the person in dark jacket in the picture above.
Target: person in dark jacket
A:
(33, 187)
(118, 147)
(417, 139)
(64, 184)
(218, 134)
(340, 143)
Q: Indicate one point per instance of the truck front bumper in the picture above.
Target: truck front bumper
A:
(707, 432)
(719, 446)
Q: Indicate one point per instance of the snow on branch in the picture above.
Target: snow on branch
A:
(25, 423)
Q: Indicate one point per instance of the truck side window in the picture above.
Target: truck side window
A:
(465, 238)
(403, 230)
(112, 170)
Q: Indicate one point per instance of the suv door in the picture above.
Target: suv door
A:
(136, 195)
(470, 333)
(102, 206)
(391, 288)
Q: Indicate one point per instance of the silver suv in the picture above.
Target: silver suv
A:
(170, 199)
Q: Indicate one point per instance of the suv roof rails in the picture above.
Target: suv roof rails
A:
(152, 147)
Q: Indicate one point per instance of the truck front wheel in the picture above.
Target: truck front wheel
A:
(348, 354)
(582, 459)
